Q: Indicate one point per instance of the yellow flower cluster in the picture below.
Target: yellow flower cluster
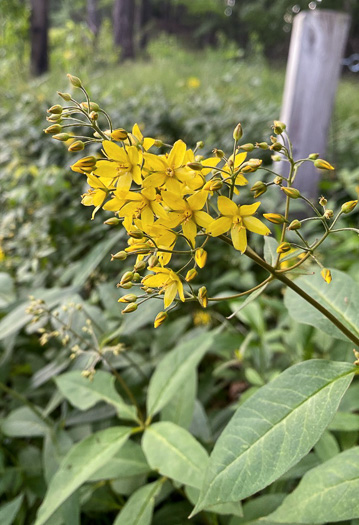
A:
(162, 198)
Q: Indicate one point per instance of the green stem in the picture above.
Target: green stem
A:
(26, 402)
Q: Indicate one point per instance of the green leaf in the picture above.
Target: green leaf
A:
(18, 318)
(274, 429)
(234, 509)
(270, 250)
(23, 422)
(138, 509)
(84, 394)
(327, 493)
(181, 407)
(340, 297)
(173, 370)
(128, 462)
(83, 459)
(345, 421)
(175, 453)
(258, 508)
(9, 510)
(327, 447)
(93, 259)
(7, 290)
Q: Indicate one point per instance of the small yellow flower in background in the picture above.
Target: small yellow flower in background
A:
(327, 276)
(237, 220)
(201, 318)
(2, 255)
(193, 82)
(168, 281)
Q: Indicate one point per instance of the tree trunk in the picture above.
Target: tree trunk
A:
(123, 26)
(145, 16)
(39, 26)
(93, 17)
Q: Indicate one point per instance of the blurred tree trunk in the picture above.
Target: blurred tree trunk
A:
(123, 26)
(93, 17)
(145, 17)
(39, 26)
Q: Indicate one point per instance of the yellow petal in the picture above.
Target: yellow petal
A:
(105, 168)
(255, 225)
(133, 155)
(241, 180)
(148, 143)
(226, 206)
(173, 201)
(155, 281)
(155, 180)
(198, 200)
(211, 162)
(249, 209)
(177, 153)
(154, 162)
(240, 158)
(202, 218)
(114, 152)
(189, 229)
(137, 132)
(170, 294)
(239, 237)
(219, 226)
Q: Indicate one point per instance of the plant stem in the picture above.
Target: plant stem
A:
(26, 402)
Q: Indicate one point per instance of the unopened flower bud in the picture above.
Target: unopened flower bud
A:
(119, 256)
(328, 214)
(136, 277)
(202, 297)
(125, 286)
(153, 261)
(113, 221)
(213, 185)
(140, 266)
(349, 206)
(276, 158)
(323, 201)
(55, 128)
(65, 96)
(75, 81)
(200, 257)
(275, 218)
(191, 274)
(56, 109)
(278, 127)
(131, 307)
(238, 132)
(258, 188)
(158, 143)
(313, 156)
(278, 180)
(136, 234)
(284, 247)
(200, 144)
(262, 145)
(218, 153)
(139, 248)
(86, 164)
(93, 115)
(63, 137)
(78, 145)
(119, 134)
(93, 106)
(293, 193)
(277, 146)
(54, 117)
(127, 277)
(160, 319)
(128, 298)
(327, 276)
(323, 165)
(196, 166)
(247, 147)
(295, 225)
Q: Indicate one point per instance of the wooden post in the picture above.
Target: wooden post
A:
(316, 49)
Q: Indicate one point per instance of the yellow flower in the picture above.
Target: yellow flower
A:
(168, 281)
(193, 82)
(168, 169)
(237, 219)
(122, 165)
(137, 139)
(97, 194)
(233, 166)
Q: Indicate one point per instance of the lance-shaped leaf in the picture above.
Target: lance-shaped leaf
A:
(173, 370)
(274, 429)
(326, 493)
(138, 509)
(82, 460)
(84, 394)
(175, 453)
(340, 297)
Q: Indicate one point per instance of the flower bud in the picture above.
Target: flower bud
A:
(284, 247)
(153, 261)
(277, 146)
(65, 96)
(54, 117)
(196, 166)
(262, 145)
(200, 257)
(139, 266)
(86, 164)
(293, 193)
(247, 147)
(323, 165)
(328, 214)
(191, 274)
(93, 115)
(139, 248)
(313, 156)
(78, 145)
(323, 201)
(327, 276)
(113, 221)
(75, 81)
(136, 234)
(276, 158)
(127, 277)
(158, 143)
(275, 218)
(136, 277)
(160, 319)
(56, 109)
(202, 297)
(295, 225)
(131, 307)
(200, 144)
(349, 206)
(125, 286)
(119, 256)
(55, 128)
(278, 127)
(63, 137)
(258, 188)
(93, 106)
(119, 134)
(278, 180)
(128, 298)
(218, 153)
(238, 132)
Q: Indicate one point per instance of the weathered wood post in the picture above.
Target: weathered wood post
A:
(316, 49)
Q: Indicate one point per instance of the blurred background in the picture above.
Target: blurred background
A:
(189, 69)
